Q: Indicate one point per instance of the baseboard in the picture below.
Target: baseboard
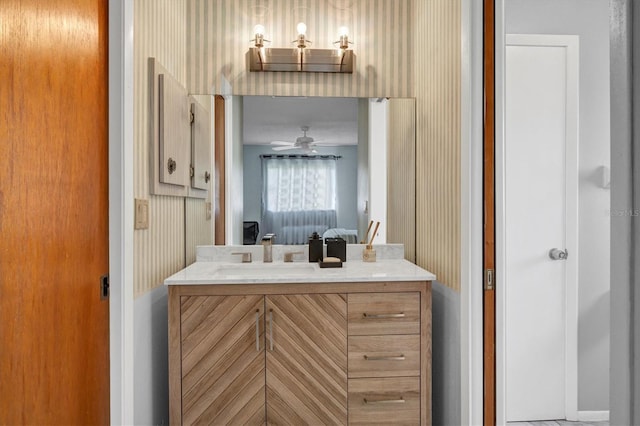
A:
(593, 416)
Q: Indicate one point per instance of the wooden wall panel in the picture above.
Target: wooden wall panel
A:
(438, 69)
(219, 172)
(219, 34)
(160, 31)
(401, 176)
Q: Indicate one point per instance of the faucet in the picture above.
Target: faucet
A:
(267, 244)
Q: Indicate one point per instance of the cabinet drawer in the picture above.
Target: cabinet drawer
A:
(384, 313)
(384, 356)
(384, 401)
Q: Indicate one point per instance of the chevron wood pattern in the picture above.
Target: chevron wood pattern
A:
(377, 401)
(218, 376)
(223, 377)
(307, 368)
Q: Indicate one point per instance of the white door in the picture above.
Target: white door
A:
(541, 214)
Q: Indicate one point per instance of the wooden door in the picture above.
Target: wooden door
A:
(489, 234)
(222, 356)
(306, 359)
(54, 327)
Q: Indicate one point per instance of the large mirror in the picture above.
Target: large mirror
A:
(300, 168)
(328, 165)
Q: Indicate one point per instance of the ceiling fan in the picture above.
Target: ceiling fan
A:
(303, 142)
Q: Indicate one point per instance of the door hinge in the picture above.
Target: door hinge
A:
(489, 279)
(104, 287)
(192, 171)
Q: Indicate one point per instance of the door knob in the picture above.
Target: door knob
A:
(557, 254)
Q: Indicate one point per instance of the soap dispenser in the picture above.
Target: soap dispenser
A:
(315, 248)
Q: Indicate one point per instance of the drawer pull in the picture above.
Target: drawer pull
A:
(385, 401)
(258, 330)
(271, 329)
(379, 316)
(384, 358)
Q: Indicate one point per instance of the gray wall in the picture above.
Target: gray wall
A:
(590, 20)
(347, 175)
(625, 232)
(150, 364)
(445, 356)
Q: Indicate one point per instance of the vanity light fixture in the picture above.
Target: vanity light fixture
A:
(258, 38)
(302, 36)
(343, 43)
(301, 58)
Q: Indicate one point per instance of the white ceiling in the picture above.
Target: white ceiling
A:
(330, 120)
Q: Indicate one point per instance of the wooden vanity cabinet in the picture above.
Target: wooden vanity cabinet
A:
(222, 359)
(270, 354)
(306, 351)
(385, 357)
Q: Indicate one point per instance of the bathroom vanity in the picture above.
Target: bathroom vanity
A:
(291, 343)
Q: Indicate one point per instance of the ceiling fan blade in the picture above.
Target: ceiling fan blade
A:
(281, 143)
(284, 148)
(326, 144)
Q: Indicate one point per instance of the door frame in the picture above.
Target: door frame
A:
(121, 211)
(471, 217)
(571, 43)
(624, 164)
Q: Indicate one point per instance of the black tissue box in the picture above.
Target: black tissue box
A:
(336, 247)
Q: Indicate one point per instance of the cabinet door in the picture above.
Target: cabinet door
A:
(306, 359)
(222, 345)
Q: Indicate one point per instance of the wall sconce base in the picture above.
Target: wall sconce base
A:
(301, 60)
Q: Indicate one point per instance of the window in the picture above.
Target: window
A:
(299, 183)
(298, 196)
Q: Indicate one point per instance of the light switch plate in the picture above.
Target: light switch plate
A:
(141, 217)
(207, 206)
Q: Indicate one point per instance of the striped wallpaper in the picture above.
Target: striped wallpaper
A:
(160, 31)
(198, 229)
(404, 48)
(220, 30)
(401, 176)
(438, 69)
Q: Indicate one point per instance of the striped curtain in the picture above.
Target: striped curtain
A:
(298, 196)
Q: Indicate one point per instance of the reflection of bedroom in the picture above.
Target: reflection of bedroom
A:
(309, 182)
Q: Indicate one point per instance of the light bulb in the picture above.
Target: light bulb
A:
(343, 43)
(302, 28)
(258, 29)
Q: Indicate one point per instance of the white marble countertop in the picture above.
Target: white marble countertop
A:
(298, 272)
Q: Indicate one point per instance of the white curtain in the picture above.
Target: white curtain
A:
(298, 196)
